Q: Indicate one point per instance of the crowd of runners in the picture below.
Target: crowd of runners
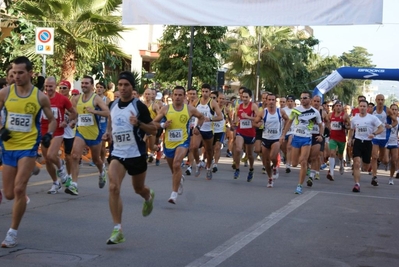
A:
(188, 130)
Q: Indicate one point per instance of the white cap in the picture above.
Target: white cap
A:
(158, 96)
(297, 101)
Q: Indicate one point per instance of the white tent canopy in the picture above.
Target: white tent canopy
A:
(252, 12)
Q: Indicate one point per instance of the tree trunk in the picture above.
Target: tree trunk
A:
(68, 68)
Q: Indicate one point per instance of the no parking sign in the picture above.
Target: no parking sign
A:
(44, 41)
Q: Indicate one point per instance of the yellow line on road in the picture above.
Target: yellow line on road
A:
(50, 181)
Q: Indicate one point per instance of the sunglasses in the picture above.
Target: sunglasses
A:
(330, 105)
(305, 97)
(74, 94)
(63, 88)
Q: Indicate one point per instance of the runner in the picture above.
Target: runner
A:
(89, 107)
(59, 104)
(304, 117)
(286, 146)
(389, 120)
(392, 146)
(272, 119)
(211, 111)
(100, 90)
(177, 138)
(364, 128)
(245, 133)
(129, 119)
(192, 98)
(339, 122)
(20, 137)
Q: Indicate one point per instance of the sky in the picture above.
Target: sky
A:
(380, 40)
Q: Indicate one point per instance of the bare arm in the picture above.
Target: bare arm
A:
(104, 112)
(219, 115)
(46, 107)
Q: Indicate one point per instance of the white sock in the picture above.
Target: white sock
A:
(312, 173)
(332, 164)
(118, 226)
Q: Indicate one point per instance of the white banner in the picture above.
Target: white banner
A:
(330, 82)
(252, 12)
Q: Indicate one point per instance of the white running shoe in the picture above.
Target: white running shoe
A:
(275, 173)
(61, 173)
(390, 181)
(55, 187)
(270, 183)
(173, 198)
(10, 241)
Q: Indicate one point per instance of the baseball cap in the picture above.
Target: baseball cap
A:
(158, 96)
(65, 83)
(290, 97)
(75, 92)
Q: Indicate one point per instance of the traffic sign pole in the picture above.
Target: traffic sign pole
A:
(44, 66)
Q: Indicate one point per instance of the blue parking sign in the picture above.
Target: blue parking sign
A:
(40, 47)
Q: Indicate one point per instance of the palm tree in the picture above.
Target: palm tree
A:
(283, 57)
(85, 30)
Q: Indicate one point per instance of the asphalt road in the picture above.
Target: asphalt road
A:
(222, 222)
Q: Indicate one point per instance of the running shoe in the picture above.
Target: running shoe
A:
(214, 168)
(270, 183)
(390, 182)
(180, 189)
(287, 170)
(173, 198)
(72, 189)
(102, 179)
(263, 170)
(92, 164)
(150, 158)
(341, 170)
(188, 170)
(298, 189)
(27, 199)
(148, 205)
(229, 154)
(259, 158)
(317, 176)
(246, 163)
(397, 175)
(67, 181)
(55, 187)
(10, 241)
(323, 166)
(356, 188)
(209, 174)
(244, 159)
(374, 181)
(236, 174)
(275, 173)
(309, 182)
(199, 167)
(233, 165)
(250, 176)
(157, 162)
(329, 176)
(116, 237)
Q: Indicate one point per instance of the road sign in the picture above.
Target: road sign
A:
(44, 41)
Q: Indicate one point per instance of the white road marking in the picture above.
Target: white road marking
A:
(236, 243)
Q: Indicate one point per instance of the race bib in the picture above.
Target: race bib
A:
(335, 125)
(362, 129)
(175, 135)
(271, 131)
(85, 120)
(245, 124)
(54, 110)
(123, 138)
(300, 131)
(19, 122)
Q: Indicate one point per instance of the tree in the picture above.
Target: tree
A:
(208, 53)
(85, 31)
(284, 57)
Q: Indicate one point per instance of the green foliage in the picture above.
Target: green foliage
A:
(283, 60)
(208, 52)
(85, 33)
